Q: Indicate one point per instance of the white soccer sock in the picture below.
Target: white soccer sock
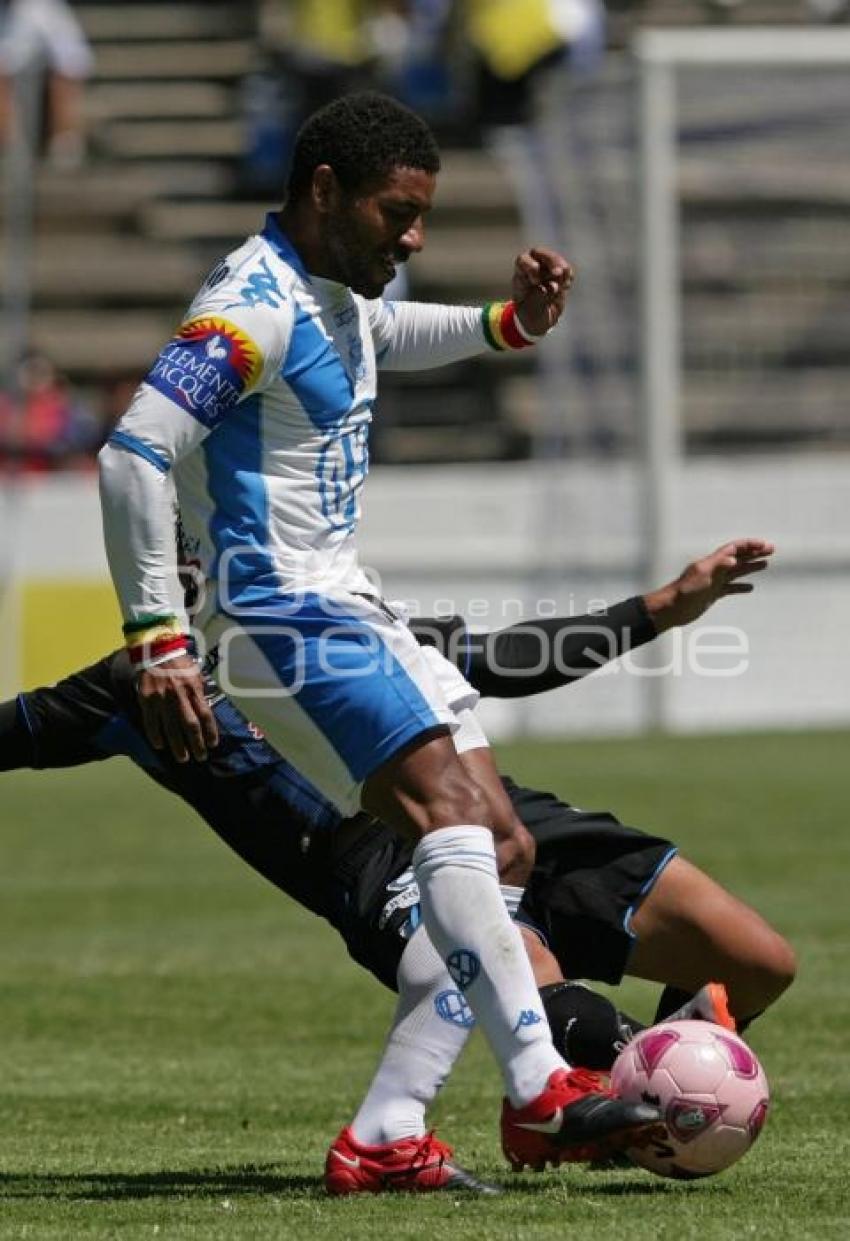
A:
(466, 918)
(431, 1025)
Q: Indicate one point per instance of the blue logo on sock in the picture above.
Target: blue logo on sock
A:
(464, 967)
(452, 1007)
(528, 1017)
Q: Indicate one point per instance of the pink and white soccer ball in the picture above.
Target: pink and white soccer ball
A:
(711, 1090)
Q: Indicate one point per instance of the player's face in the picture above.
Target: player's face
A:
(370, 231)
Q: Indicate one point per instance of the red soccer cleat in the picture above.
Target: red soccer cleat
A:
(576, 1120)
(418, 1165)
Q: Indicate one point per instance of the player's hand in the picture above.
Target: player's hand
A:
(703, 582)
(175, 710)
(541, 281)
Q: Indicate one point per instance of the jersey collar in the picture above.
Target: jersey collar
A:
(283, 247)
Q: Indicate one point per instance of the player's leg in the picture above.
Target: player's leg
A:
(387, 1144)
(610, 900)
(455, 868)
(514, 843)
(426, 792)
(690, 930)
(364, 719)
(587, 1028)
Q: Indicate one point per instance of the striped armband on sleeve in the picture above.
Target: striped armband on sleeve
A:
(154, 640)
(502, 328)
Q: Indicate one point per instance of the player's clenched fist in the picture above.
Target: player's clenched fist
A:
(541, 281)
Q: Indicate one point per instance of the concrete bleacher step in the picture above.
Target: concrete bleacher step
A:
(100, 201)
(107, 101)
(117, 271)
(196, 178)
(163, 21)
(444, 444)
(202, 139)
(473, 181)
(93, 345)
(769, 252)
(224, 60)
(476, 258)
(222, 222)
(801, 403)
(695, 12)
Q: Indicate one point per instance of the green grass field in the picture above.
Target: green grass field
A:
(180, 1043)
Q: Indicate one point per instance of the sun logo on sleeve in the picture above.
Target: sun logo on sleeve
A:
(207, 366)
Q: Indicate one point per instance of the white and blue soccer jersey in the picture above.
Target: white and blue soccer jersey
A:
(259, 408)
(275, 373)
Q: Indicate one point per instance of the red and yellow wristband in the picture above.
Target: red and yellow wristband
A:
(153, 640)
(502, 328)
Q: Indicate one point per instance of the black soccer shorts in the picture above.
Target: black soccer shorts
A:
(590, 875)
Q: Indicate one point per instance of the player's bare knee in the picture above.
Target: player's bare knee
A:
(459, 801)
(779, 966)
(515, 851)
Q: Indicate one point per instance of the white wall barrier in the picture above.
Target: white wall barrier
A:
(466, 539)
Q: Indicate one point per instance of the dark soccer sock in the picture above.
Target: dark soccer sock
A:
(15, 739)
(672, 999)
(587, 1030)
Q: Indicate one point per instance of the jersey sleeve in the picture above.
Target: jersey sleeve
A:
(63, 720)
(540, 654)
(216, 358)
(417, 336)
(546, 653)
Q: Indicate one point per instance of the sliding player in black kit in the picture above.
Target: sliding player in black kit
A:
(603, 898)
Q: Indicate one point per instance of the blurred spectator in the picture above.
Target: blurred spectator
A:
(313, 52)
(309, 53)
(46, 33)
(411, 39)
(516, 41)
(42, 425)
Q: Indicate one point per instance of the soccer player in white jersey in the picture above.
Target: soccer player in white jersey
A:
(260, 408)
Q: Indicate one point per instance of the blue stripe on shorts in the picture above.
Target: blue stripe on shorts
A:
(345, 679)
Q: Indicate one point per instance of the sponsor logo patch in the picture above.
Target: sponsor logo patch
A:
(452, 1007)
(206, 367)
(528, 1017)
(464, 967)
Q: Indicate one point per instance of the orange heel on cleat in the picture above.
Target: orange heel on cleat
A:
(711, 1003)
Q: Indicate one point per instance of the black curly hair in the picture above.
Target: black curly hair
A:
(362, 137)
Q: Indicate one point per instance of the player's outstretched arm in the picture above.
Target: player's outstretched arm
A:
(541, 283)
(546, 653)
(704, 581)
(16, 742)
(421, 335)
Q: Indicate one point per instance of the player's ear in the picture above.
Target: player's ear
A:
(325, 189)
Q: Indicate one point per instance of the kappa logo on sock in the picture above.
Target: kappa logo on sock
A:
(452, 1007)
(464, 967)
(528, 1017)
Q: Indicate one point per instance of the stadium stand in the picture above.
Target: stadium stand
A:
(122, 242)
